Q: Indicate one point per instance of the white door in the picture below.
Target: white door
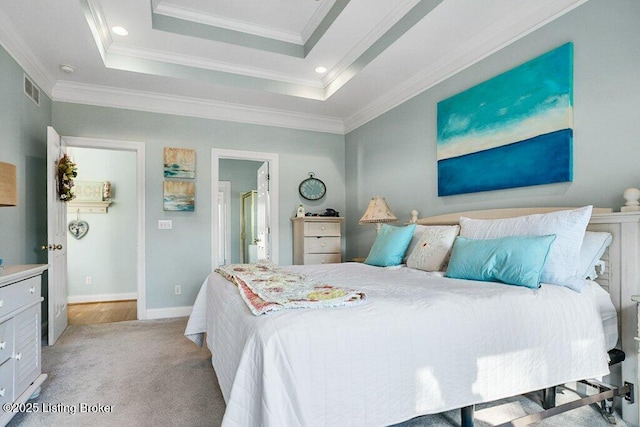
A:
(262, 213)
(57, 240)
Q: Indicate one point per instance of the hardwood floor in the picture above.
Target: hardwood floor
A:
(101, 312)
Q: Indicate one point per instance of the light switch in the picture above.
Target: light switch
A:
(164, 224)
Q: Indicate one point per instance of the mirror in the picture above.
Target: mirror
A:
(248, 226)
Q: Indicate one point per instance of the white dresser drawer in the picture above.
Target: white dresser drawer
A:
(6, 381)
(6, 340)
(19, 294)
(323, 245)
(322, 258)
(322, 228)
(27, 353)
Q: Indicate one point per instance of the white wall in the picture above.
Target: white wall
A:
(107, 253)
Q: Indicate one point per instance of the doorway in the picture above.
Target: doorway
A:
(98, 237)
(106, 265)
(266, 205)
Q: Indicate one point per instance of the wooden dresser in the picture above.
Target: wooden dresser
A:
(20, 337)
(317, 240)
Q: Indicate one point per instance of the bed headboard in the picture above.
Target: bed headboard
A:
(621, 278)
(454, 218)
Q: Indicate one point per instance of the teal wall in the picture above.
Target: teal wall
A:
(23, 142)
(395, 154)
(182, 256)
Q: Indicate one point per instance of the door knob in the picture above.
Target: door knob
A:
(51, 247)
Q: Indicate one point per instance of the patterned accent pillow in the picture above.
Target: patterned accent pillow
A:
(433, 249)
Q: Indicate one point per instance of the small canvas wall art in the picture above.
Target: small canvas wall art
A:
(179, 196)
(513, 130)
(179, 163)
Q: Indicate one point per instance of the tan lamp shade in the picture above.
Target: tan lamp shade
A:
(8, 187)
(378, 212)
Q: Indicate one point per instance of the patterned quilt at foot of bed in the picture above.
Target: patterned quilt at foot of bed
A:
(266, 288)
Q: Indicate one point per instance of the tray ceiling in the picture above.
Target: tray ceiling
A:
(255, 61)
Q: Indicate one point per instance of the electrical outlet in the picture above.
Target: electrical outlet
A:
(178, 290)
(88, 280)
(165, 224)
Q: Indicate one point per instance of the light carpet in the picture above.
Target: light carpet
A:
(146, 373)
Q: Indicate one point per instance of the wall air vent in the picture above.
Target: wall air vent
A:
(31, 90)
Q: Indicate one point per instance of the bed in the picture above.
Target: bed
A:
(421, 343)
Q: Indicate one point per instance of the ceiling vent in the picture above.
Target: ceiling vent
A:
(31, 90)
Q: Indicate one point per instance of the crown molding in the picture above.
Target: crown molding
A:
(24, 56)
(101, 96)
(316, 19)
(496, 38)
(336, 78)
(219, 21)
(206, 64)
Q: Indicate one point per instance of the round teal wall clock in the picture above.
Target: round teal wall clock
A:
(312, 188)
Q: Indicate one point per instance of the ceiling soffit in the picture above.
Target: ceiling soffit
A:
(179, 20)
(170, 64)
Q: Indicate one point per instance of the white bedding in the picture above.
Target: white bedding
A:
(420, 344)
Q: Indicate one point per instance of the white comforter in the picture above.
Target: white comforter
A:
(420, 344)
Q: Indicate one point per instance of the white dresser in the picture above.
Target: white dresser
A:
(317, 240)
(20, 337)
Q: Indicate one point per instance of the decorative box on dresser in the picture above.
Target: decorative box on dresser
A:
(20, 340)
(317, 240)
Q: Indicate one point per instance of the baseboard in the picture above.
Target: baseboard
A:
(165, 313)
(77, 299)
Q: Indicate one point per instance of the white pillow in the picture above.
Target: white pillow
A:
(433, 248)
(569, 227)
(417, 233)
(592, 249)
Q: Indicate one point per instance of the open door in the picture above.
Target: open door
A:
(262, 213)
(57, 240)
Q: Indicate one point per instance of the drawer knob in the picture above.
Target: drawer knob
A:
(3, 345)
(18, 356)
(323, 261)
(2, 392)
(322, 228)
(32, 290)
(322, 244)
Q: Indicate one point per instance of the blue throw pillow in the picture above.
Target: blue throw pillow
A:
(390, 245)
(515, 260)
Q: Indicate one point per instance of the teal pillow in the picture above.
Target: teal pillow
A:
(390, 245)
(515, 260)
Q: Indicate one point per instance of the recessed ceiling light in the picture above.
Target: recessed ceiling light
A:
(67, 68)
(321, 70)
(121, 31)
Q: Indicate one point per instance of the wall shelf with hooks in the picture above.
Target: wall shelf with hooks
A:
(82, 206)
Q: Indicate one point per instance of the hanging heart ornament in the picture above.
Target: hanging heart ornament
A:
(78, 228)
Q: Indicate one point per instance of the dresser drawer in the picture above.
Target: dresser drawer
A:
(19, 294)
(322, 258)
(6, 340)
(322, 228)
(27, 353)
(321, 245)
(6, 381)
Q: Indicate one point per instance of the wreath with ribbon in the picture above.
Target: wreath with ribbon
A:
(67, 170)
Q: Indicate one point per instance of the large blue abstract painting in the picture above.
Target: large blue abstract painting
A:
(513, 130)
